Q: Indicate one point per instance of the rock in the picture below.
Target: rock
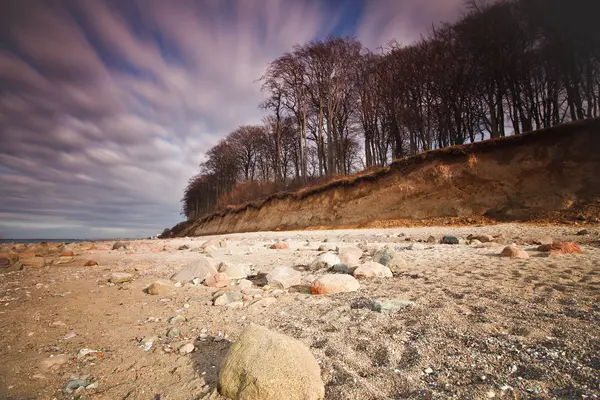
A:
(227, 298)
(482, 238)
(85, 352)
(235, 304)
(390, 259)
(334, 283)
(561, 247)
(416, 246)
(431, 239)
(449, 240)
(264, 303)
(213, 243)
(74, 384)
(583, 232)
(68, 253)
(350, 255)
(161, 287)
(546, 240)
(200, 268)
(219, 280)
(33, 262)
(147, 342)
(121, 245)
(343, 269)
(173, 333)
(55, 361)
(177, 319)
(244, 284)
(372, 269)
(280, 246)
(187, 348)
(514, 252)
(120, 277)
(325, 260)
(236, 271)
(265, 365)
(328, 247)
(90, 263)
(284, 278)
(64, 260)
(385, 255)
(391, 306)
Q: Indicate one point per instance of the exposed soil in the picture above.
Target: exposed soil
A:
(483, 326)
(539, 176)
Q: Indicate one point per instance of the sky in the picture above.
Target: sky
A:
(107, 107)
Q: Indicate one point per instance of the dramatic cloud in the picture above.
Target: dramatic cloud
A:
(107, 107)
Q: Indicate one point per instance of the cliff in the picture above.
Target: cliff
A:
(514, 178)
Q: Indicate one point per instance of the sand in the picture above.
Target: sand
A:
(483, 326)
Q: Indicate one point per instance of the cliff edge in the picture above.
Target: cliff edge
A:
(517, 178)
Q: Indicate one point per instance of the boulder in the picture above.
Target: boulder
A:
(514, 252)
(218, 280)
(372, 269)
(561, 248)
(280, 246)
(334, 283)
(161, 287)
(284, 277)
(67, 253)
(266, 365)
(350, 255)
(431, 239)
(9, 262)
(325, 260)
(90, 263)
(200, 268)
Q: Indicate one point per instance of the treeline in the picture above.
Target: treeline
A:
(335, 107)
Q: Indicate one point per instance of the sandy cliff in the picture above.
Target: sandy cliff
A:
(514, 178)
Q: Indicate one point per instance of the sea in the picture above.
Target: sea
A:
(28, 241)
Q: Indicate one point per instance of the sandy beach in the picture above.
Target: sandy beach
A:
(479, 326)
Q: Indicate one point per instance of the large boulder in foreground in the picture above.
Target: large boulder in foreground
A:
(201, 268)
(334, 283)
(266, 365)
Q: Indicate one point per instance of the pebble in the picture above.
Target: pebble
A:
(514, 252)
(280, 246)
(85, 351)
(334, 283)
(264, 303)
(428, 371)
(450, 240)
(161, 287)
(391, 306)
(416, 246)
(187, 348)
(70, 335)
(173, 333)
(325, 260)
(54, 361)
(227, 298)
(372, 269)
(74, 384)
(120, 277)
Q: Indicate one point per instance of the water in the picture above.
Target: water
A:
(28, 241)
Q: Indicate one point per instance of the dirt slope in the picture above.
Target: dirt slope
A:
(517, 178)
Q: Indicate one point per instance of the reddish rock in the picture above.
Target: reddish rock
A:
(217, 280)
(280, 246)
(334, 283)
(514, 252)
(561, 247)
(67, 253)
(90, 263)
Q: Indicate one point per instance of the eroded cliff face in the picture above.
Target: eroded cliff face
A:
(512, 178)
